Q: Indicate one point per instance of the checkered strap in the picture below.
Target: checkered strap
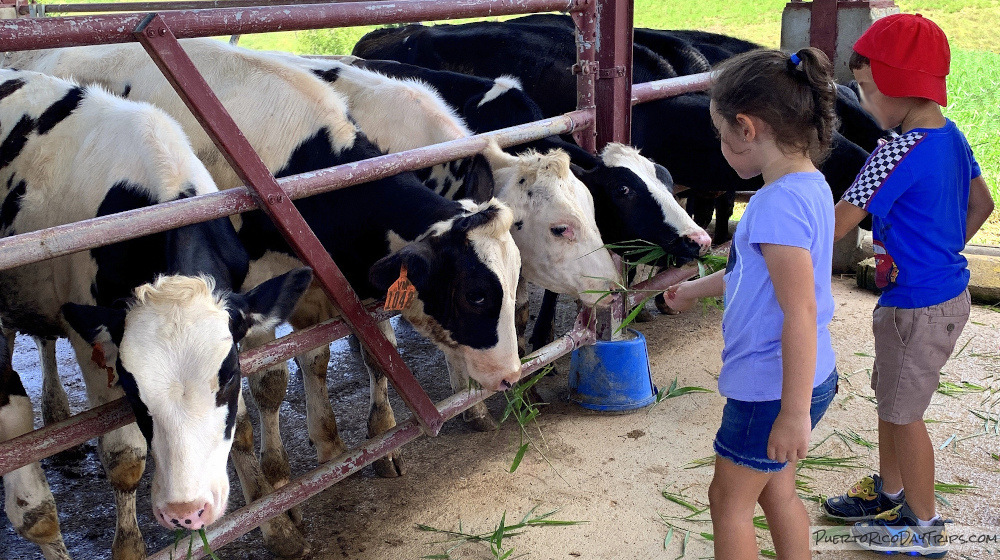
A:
(879, 167)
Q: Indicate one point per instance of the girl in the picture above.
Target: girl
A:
(774, 115)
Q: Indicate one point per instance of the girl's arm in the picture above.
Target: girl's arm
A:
(847, 216)
(791, 272)
(980, 207)
(682, 297)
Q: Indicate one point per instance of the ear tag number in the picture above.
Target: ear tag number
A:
(98, 357)
(400, 294)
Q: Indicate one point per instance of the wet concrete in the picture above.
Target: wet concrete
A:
(85, 501)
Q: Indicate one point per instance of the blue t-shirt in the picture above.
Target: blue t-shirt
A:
(917, 189)
(795, 210)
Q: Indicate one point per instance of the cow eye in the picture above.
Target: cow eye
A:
(558, 231)
(476, 298)
(622, 190)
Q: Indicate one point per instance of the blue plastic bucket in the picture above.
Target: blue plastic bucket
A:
(612, 375)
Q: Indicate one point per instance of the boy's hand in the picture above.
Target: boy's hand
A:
(679, 297)
(789, 440)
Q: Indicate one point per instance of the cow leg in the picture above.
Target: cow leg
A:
(268, 389)
(55, 403)
(320, 417)
(724, 206)
(542, 334)
(29, 504)
(477, 416)
(700, 206)
(380, 416)
(280, 535)
(122, 452)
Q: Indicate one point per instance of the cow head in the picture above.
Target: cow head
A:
(465, 271)
(636, 199)
(178, 364)
(554, 228)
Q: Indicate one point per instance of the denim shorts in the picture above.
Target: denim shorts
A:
(746, 427)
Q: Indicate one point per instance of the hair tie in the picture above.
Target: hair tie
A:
(794, 59)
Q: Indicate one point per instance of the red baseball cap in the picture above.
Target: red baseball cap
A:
(909, 57)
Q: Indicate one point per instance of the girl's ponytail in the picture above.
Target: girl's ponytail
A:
(817, 71)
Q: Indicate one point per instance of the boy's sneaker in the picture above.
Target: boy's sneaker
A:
(862, 502)
(898, 530)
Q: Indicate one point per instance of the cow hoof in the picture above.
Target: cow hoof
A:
(283, 540)
(130, 547)
(644, 316)
(390, 466)
(483, 423)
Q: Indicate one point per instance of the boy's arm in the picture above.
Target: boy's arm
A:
(980, 207)
(791, 272)
(682, 297)
(847, 217)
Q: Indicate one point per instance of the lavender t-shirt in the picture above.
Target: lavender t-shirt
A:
(795, 210)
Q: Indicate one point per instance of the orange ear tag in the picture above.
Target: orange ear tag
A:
(400, 294)
(98, 357)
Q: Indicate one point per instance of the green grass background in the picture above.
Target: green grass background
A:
(971, 26)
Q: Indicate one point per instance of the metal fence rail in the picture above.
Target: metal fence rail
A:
(44, 244)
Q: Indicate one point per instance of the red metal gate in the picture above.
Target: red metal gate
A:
(605, 97)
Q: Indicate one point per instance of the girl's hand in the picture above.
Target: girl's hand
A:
(789, 440)
(679, 298)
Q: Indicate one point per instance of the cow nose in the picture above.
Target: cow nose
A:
(703, 240)
(185, 515)
(509, 380)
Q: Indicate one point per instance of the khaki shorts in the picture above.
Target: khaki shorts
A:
(911, 347)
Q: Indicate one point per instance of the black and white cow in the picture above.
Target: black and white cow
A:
(675, 132)
(162, 309)
(459, 255)
(632, 195)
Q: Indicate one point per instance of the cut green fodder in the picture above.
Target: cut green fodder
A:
(941, 488)
(179, 535)
(496, 538)
(850, 439)
(524, 412)
(956, 390)
(684, 501)
(674, 391)
(991, 421)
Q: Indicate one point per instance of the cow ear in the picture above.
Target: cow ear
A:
(268, 304)
(479, 185)
(419, 260)
(663, 176)
(577, 170)
(94, 322)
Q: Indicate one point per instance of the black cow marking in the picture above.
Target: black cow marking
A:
(229, 389)
(329, 75)
(12, 203)
(10, 385)
(12, 145)
(127, 90)
(59, 110)
(519, 224)
(142, 417)
(10, 86)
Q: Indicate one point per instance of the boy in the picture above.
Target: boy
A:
(927, 199)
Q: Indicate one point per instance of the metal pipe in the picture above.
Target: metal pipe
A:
(46, 441)
(170, 6)
(69, 238)
(670, 87)
(33, 33)
(244, 520)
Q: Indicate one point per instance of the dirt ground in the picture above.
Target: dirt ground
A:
(606, 471)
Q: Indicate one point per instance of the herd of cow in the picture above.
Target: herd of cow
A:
(91, 131)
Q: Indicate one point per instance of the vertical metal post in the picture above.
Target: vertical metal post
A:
(161, 44)
(613, 92)
(586, 68)
(823, 27)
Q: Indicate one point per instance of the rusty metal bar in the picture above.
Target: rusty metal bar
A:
(660, 89)
(614, 72)
(31, 33)
(244, 520)
(823, 26)
(158, 40)
(170, 6)
(43, 442)
(585, 70)
(669, 277)
(61, 240)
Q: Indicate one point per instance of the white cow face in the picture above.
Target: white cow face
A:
(554, 227)
(179, 366)
(465, 270)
